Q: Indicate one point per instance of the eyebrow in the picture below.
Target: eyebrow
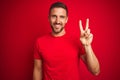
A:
(56, 15)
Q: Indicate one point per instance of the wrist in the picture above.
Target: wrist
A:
(87, 46)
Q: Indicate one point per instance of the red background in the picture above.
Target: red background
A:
(22, 21)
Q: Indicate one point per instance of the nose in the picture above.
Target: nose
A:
(57, 20)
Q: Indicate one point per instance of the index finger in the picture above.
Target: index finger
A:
(87, 24)
(80, 25)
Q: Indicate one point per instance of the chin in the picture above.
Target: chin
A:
(56, 32)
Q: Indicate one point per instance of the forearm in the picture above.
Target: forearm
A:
(91, 60)
(37, 74)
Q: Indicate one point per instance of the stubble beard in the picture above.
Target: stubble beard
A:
(53, 28)
(57, 32)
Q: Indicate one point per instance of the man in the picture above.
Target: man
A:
(57, 55)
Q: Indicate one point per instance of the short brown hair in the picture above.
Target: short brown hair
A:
(58, 5)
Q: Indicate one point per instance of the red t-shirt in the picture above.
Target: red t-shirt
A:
(60, 57)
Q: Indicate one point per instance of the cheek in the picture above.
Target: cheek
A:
(64, 22)
(52, 21)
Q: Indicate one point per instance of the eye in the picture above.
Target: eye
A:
(62, 16)
(53, 16)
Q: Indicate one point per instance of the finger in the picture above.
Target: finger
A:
(91, 36)
(87, 24)
(88, 31)
(80, 25)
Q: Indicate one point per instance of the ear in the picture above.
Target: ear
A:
(67, 20)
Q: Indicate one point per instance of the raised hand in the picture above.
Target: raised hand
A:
(85, 37)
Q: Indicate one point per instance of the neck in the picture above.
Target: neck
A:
(59, 34)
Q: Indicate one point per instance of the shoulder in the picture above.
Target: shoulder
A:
(72, 38)
(75, 39)
(43, 38)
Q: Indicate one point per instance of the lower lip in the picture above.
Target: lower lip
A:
(57, 26)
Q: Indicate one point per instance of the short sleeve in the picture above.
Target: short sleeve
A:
(81, 48)
(36, 50)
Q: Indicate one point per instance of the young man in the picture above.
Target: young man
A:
(57, 55)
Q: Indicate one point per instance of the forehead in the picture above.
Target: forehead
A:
(58, 11)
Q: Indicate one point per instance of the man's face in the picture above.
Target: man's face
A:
(58, 18)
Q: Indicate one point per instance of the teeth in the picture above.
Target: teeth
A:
(57, 25)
